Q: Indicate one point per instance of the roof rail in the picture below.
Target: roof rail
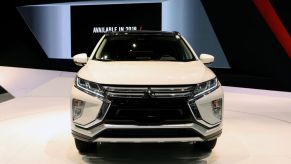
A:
(176, 33)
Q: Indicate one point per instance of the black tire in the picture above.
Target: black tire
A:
(85, 147)
(206, 145)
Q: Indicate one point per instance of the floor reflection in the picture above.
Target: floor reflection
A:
(170, 153)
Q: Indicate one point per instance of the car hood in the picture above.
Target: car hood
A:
(145, 72)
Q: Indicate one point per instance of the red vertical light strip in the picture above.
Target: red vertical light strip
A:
(269, 14)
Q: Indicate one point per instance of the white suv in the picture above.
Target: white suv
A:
(145, 86)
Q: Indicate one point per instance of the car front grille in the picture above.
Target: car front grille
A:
(148, 111)
(151, 105)
(148, 92)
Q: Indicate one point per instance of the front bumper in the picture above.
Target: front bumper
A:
(88, 128)
(93, 137)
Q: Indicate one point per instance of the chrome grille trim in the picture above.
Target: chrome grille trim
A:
(125, 89)
(148, 92)
(125, 95)
(148, 140)
(167, 95)
(173, 89)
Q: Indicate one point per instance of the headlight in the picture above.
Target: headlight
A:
(206, 87)
(89, 87)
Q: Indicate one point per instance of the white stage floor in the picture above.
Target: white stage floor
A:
(35, 127)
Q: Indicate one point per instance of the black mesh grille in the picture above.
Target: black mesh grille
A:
(149, 111)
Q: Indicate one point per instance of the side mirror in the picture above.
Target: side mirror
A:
(206, 58)
(80, 59)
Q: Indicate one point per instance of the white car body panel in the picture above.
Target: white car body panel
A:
(145, 72)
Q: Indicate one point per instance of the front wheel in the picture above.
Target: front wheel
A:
(85, 147)
(206, 145)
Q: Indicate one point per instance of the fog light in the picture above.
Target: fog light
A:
(78, 106)
(217, 108)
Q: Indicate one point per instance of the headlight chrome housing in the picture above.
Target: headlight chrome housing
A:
(88, 87)
(206, 87)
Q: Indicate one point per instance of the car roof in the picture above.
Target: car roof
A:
(144, 32)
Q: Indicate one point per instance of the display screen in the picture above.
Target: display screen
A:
(89, 23)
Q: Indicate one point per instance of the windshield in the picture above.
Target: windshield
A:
(144, 48)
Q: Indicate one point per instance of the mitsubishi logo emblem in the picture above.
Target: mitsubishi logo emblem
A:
(148, 93)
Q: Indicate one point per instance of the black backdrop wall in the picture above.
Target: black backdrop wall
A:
(18, 47)
(256, 58)
(83, 38)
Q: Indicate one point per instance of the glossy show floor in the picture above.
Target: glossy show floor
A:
(35, 127)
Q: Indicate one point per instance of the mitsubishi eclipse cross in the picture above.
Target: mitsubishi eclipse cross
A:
(145, 87)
